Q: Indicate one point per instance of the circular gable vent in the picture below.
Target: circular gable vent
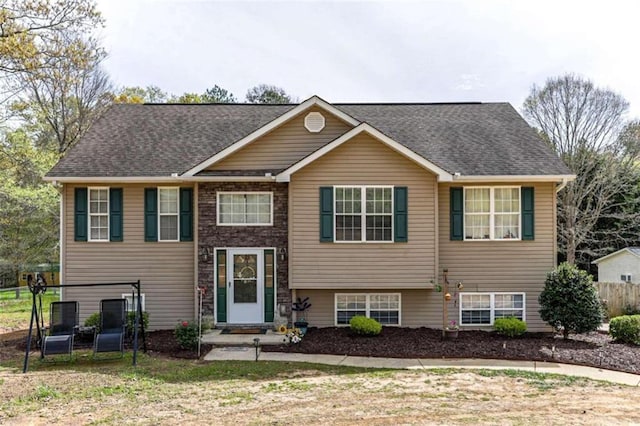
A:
(314, 122)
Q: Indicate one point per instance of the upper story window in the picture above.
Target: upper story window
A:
(98, 214)
(363, 213)
(168, 214)
(492, 213)
(168, 211)
(245, 208)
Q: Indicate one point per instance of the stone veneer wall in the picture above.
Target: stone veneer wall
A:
(210, 235)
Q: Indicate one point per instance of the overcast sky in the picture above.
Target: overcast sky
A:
(385, 51)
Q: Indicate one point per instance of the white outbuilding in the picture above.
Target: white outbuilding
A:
(620, 266)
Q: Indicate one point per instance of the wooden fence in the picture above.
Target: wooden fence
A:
(619, 296)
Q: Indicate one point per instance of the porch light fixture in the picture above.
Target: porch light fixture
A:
(205, 253)
(283, 253)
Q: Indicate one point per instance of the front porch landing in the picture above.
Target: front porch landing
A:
(214, 337)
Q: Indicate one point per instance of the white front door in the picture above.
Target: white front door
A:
(245, 287)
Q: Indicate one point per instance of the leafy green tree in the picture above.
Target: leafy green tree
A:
(581, 122)
(218, 95)
(187, 98)
(28, 206)
(35, 34)
(268, 94)
(139, 95)
(569, 302)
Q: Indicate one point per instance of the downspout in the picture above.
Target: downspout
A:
(63, 264)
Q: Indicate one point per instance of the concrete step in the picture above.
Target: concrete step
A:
(215, 337)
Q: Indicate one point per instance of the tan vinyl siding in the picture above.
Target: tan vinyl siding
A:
(285, 145)
(503, 266)
(361, 161)
(414, 306)
(165, 269)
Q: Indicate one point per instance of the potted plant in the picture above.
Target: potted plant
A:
(451, 331)
(301, 305)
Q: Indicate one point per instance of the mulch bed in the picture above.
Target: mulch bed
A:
(591, 349)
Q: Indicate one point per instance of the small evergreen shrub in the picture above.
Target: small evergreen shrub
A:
(365, 326)
(186, 333)
(625, 329)
(93, 320)
(569, 301)
(131, 319)
(510, 326)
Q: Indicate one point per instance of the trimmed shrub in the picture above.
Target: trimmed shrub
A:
(510, 326)
(569, 301)
(365, 326)
(131, 319)
(186, 333)
(93, 320)
(625, 329)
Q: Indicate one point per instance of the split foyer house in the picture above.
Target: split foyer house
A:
(360, 207)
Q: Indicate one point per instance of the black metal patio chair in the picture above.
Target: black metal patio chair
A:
(62, 327)
(113, 324)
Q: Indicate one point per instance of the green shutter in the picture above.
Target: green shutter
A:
(269, 285)
(400, 214)
(151, 214)
(81, 214)
(456, 206)
(221, 288)
(186, 214)
(115, 214)
(528, 221)
(326, 214)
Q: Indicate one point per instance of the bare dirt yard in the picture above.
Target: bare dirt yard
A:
(303, 394)
(168, 388)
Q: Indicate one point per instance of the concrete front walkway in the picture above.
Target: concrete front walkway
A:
(249, 354)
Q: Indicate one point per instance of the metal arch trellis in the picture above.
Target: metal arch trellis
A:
(39, 286)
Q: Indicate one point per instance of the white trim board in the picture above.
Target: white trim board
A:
(311, 102)
(443, 175)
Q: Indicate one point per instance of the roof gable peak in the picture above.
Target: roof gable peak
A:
(314, 101)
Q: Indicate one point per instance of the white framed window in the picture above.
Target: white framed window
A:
(625, 278)
(492, 213)
(132, 301)
(363, 213)
(383, 307)
(168, 214)
(485, 308)
(245, 208)
(98, 213)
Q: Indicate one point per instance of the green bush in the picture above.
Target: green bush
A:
(186, 333)
(93, 320)
(625, 329)
(569, 301)
(510, 326)
(365, 326)
(131, 318)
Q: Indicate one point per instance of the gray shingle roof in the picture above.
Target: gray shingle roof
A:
(158, 140)
(634, 250)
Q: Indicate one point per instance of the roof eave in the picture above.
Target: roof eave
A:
(157, 179)
(512, 178)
